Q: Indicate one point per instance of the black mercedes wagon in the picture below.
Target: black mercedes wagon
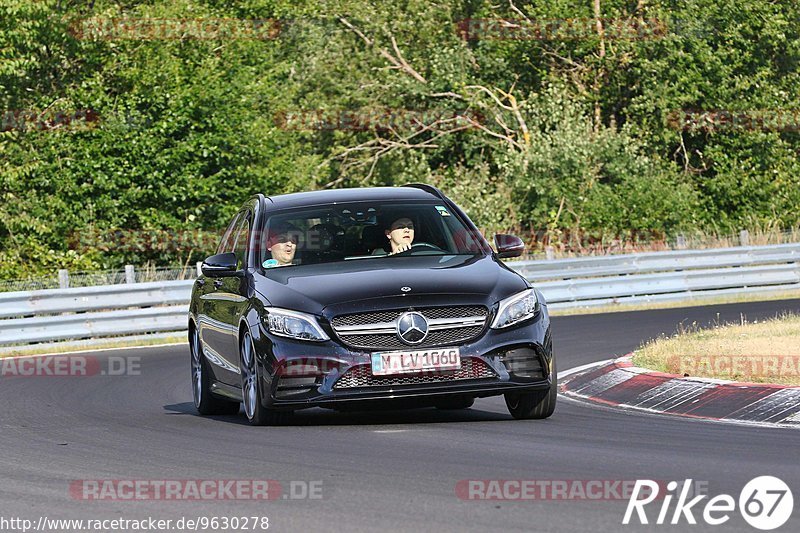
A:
(365, 297)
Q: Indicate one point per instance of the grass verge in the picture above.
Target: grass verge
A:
(67, 347)
(698, 301)
(756, 352)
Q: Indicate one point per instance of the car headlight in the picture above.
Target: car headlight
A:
(294, 325)
(516, 308)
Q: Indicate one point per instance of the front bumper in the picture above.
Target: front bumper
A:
(289, 382)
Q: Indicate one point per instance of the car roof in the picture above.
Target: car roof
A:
(365, 194)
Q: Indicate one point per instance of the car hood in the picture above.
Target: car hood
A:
(365, 284)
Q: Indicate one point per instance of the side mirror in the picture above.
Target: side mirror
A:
(508, 245)
(221, 266)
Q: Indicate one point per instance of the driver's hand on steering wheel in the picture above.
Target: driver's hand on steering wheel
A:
(402, 248)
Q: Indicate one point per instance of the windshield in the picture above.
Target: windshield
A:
(363, 231)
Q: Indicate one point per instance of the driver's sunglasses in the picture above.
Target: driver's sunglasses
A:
(286, 238)
(403, 226)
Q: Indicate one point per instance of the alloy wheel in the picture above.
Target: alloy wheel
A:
(249, 380)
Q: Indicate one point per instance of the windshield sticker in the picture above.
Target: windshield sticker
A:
(270, 263)
(443, 210)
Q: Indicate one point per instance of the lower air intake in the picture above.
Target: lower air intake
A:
(361, 376)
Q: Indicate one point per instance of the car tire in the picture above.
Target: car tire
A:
(205, 401)
(254, 409)
(535, 405)
(457, 402)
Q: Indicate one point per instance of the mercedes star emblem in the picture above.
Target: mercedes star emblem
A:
(405, 289)
(412, 328)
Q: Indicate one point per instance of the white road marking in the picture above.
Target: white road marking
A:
(569, 372)
(602, 383)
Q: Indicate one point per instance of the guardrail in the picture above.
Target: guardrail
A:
(55, 301)
(659, 276)
(640, 263)
(112, 310)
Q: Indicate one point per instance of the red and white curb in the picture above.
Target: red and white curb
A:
(618, 383)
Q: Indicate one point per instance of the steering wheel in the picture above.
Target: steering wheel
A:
(420, 245)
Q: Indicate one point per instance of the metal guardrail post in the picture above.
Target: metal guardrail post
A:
(744, 238)
(130, 274)
(63, 279)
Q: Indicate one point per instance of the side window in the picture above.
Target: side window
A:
(226, 244)
(241, 239)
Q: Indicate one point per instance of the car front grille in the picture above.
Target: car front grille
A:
(376, 330)
(361, 376)
(365, 319)
(435, 338)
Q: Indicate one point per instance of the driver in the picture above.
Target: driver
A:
(282, 245)
(400, 234)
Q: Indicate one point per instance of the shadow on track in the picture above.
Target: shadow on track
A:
(363, 417)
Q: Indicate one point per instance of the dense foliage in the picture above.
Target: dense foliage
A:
(568, 127)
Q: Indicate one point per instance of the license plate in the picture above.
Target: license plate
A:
(408, 362)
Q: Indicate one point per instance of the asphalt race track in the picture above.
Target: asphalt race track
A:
(378, 470)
